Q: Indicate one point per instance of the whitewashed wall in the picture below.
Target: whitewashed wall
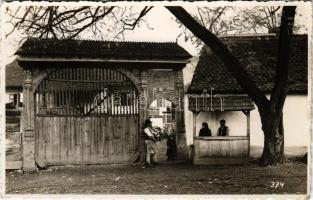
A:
(296, 118)
(296, 122)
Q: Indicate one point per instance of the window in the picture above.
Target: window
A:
(14, 100)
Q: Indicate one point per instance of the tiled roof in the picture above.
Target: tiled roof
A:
(102, 49)
(258, 54)
(14, 76)
(221, 103)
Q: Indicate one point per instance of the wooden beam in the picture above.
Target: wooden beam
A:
(248, 131)
(194, 118)
(248, 123)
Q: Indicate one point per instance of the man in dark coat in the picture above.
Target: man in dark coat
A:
(223, 130)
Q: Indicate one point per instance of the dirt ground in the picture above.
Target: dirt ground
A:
(178, 178)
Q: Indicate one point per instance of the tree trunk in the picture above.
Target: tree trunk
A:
(273, 151)
(270, 110)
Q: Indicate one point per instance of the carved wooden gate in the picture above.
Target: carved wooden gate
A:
(86, 116)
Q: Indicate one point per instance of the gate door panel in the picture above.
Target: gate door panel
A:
(86, 116)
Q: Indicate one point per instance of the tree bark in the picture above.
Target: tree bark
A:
(270, 110)
(273, 151)
(272, 119)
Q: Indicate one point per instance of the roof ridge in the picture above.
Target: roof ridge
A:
(112, 41)
(255, 35)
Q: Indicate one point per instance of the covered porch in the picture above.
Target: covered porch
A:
(220, 150)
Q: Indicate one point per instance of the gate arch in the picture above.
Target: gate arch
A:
(86, 116)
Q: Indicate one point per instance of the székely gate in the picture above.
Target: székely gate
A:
(85, 102)
(86, 116)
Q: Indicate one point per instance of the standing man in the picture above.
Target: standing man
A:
(223, 130)
(150, 143)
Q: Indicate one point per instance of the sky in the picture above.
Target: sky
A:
(162, 22)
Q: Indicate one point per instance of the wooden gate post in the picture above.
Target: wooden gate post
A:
(181, 133)
(28, 139)
(143, 113)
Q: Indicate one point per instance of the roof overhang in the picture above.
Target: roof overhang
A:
(219, 102)
(98, 60)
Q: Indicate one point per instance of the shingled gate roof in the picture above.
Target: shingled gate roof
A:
(69, 48)
(258, 54)
(14, 76)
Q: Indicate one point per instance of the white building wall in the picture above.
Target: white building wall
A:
(296, 118)
(296, 122)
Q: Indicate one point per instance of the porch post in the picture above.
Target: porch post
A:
(194, 118)
(248, 123)
(248, 131)
(28, 139)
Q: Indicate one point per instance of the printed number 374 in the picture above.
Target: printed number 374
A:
(277, 184)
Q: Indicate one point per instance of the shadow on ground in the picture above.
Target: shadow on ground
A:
(183, 178)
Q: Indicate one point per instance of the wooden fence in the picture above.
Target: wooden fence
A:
(221, 150)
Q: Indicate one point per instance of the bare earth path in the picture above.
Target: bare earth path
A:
(290, 178)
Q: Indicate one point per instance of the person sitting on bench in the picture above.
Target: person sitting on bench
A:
(223, 130)
(205, 131)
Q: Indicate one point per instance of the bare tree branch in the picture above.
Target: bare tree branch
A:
(222, 52)
(62, 22)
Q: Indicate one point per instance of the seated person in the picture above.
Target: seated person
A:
(205, 131)
(223, 130)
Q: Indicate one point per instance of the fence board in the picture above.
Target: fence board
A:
(63, 147)
(221, 150)
(50, 139)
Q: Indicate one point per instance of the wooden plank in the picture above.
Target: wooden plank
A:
(119, 141)
(49, 145)
(92, 140)
(100, 139)
(114, 147)
(13, 165)
(96, 138)
(56, 141)
(78, 141)
(110, 130)
(84, 140)
(71, 152)
(13, 151)
(41, 139)
(131, 147)
(88, 142)
(69, 139)
(123, 141)
(36, 137)
(67, 132)
(105, 132)
(63, 141)
(135, 136)
(76, 153)
(128, 124)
